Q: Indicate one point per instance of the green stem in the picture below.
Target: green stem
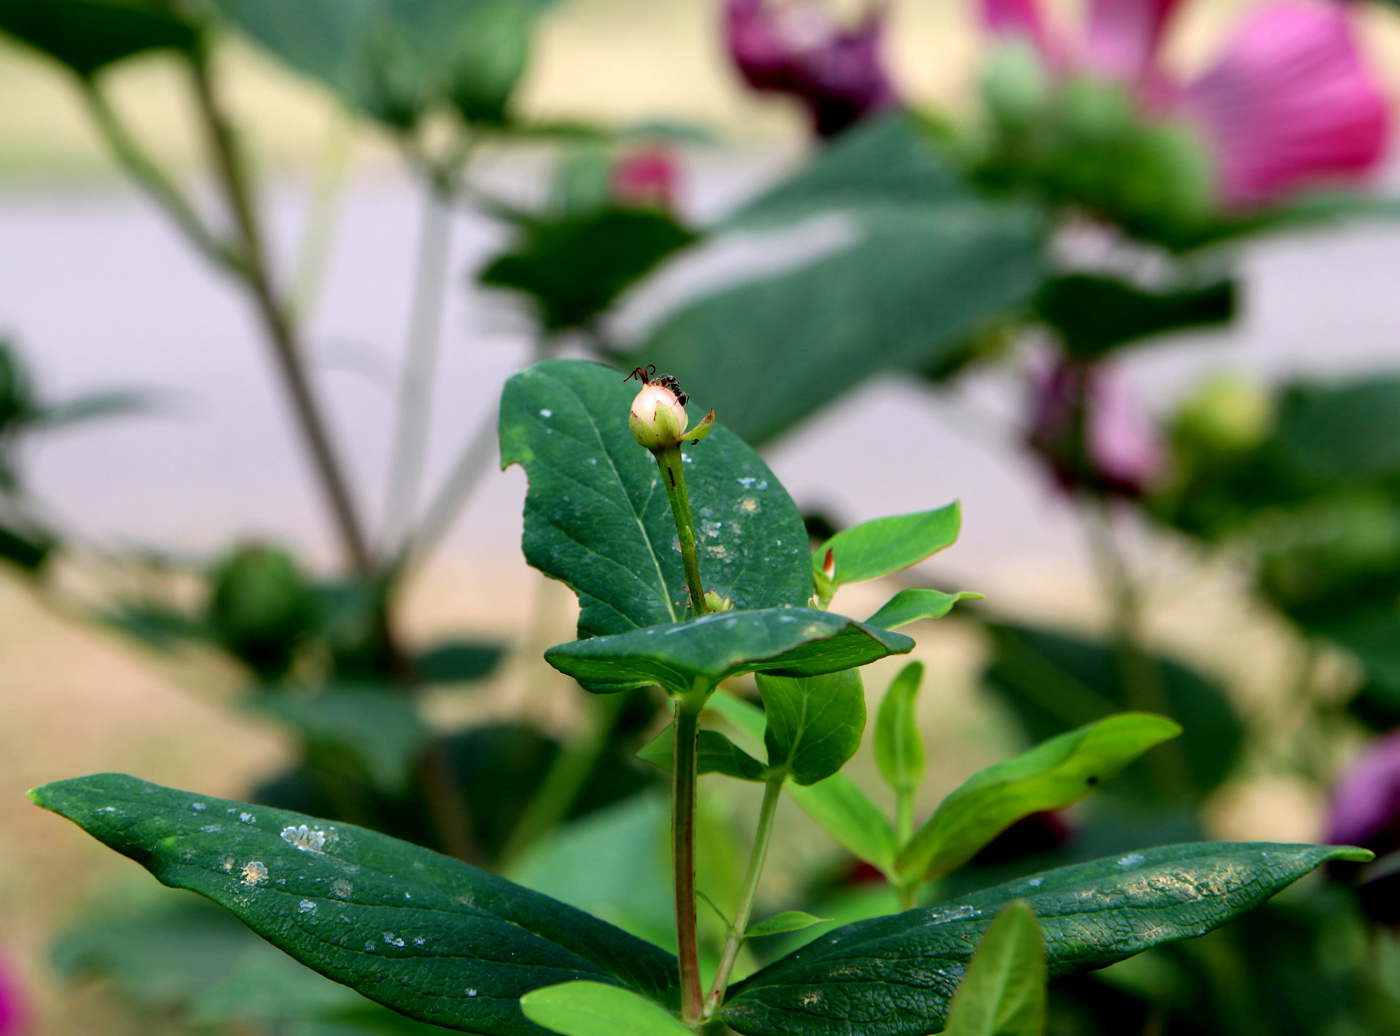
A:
(904, 814)
(286, 347)
(571, 768)
(683, 789)
(908, 895)
(772, 790)
(672, 467)
(419, 365)
(143, 169)
(328, 190)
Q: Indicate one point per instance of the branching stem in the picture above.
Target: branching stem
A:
(772, 791)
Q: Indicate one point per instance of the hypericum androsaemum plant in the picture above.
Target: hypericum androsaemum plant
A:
(450, 944)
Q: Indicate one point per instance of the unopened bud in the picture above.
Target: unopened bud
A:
(658, 418)
(716, 603)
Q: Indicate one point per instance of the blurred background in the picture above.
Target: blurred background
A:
(180, 601)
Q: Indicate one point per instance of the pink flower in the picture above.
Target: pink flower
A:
(794, 47)
(1288, 104)
(1090, 431)
(1366, 801)
(12, 1013)
(646, 179)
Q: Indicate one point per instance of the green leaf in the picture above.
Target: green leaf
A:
(891, 160)
(397, 59)
(1091, 915)
(848, 815)
(837, 804)
(899, 748)
(1050, 776)
(717, 754)
(1095, 314)
(458, 662)
(593, 1009)
(597, 517)
(699, 653)
(917, 603)
(779, 924)
(380, 727)
(899, 263)
(885, 545)
(88, 35)
(1056, 683)
(814, 724)
(1003, 990)
(574, 268)
(427, 935)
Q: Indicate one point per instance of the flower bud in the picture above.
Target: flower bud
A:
(716, 603)
(658, 419)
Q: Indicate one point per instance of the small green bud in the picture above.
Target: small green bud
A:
(1226, 414)
(658, 418)
(716, 603)
(260, 607)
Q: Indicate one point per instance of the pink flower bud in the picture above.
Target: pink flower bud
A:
(658, 418)
(646, 179)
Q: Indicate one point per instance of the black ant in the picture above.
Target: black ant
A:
(647, 376)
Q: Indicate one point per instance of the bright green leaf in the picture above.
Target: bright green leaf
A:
(1003, 990)
(717, 754)
(597, 516)
(427, 935)
(848, 815)
(1091, 915)
(885, 545)
(779, 924)
(714, 647)
(899, 748)
(814, 724)
(594, 1009)
(914, 604)
(1050, 776)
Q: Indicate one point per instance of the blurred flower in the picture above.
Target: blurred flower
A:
(795, 47)
(1090, 431)
(646, 179)
(1365, 808)
(12, 1012)
(1288, 103)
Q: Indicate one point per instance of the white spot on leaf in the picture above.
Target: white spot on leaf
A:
(306, 907)
(305, 838)
(254, 873)
(392, 939)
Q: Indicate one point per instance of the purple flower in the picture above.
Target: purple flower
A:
(1090, 431)
(795, 47)
(1365, 807)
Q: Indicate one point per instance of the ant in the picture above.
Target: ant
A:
(647, 376)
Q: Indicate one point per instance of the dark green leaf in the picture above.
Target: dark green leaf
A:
(892, 160)
(1056, 683)
(814, 724)
(1049, 777)
(577, 267)
(26, 548)
(886, 545)
(458, 662)
(899, 747)
(1003, 990)
(780, 924)
(597, 517)
(593, 1009)
(380, 727)
(836, 803)
(93, 407)
(698, 653)
(917, 603)
(87, 35)
(1096, 314)
(437, 939)
(1336, 436)
(396, 59)
(881, 288)
(717, 754)
(1091, 915)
